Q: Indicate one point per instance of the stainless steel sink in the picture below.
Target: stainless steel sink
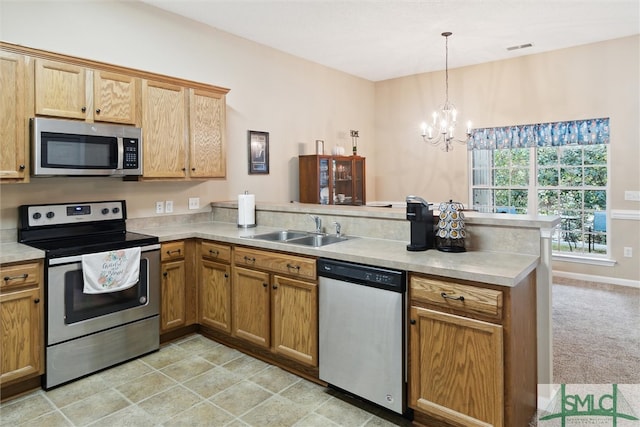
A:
(304, 238)
(281, 236)
(317, 240)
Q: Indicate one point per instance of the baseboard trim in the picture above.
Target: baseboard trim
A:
(598, 279)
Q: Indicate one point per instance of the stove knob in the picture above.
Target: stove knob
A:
(115, 210)
(105, 211)
(50, 215)
(36, 215)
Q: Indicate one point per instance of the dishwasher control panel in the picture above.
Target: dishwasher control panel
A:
(384, 278)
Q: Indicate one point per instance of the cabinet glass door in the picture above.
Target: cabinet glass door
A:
(342, 182)
(358, 178)
(324, 181)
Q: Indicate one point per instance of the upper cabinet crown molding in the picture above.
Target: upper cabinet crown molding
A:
(87, 63)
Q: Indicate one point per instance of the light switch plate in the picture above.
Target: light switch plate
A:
(632, 195)
(194, 202)
(168, 206)
(159, 207)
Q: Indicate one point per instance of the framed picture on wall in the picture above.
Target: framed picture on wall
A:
(258, 152)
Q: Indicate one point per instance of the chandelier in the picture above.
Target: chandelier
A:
(442, 129)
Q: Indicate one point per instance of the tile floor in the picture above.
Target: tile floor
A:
(193, 382)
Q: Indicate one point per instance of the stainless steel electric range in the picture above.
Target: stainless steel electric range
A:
(88, 332)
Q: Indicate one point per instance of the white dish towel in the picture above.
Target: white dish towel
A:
(111, 271)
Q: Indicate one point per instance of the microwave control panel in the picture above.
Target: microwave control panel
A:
(131, 158)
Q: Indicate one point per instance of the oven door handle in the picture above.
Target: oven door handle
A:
(78, 258)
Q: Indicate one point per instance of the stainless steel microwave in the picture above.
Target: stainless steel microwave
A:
(74, 148)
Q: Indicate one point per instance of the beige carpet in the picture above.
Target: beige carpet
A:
(596, 333)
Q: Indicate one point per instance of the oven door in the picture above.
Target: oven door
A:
(71, 313)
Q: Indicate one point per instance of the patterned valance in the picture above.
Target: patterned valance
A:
(575, 132)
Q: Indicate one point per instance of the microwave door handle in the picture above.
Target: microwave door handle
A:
(120, 165)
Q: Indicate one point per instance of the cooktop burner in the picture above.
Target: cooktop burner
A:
(78, 228)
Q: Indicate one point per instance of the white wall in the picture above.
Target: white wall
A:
(590, 81)
(296, 101)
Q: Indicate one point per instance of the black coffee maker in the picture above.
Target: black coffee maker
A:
(421, 216)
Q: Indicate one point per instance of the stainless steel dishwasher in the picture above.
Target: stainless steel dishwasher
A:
(361, 343)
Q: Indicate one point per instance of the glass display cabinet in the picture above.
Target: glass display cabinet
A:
(332, 180)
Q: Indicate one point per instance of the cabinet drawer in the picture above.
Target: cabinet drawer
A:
(276, 262)
(21, 275)
(215, 251)
(172, 251)
(465, 298)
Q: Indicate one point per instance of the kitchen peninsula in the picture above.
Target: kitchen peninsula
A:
(507, 259)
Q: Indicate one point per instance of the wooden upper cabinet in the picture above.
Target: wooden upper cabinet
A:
(207, 146)
(114, 97)
(60, 90)
(13, 118)
(163, 130)
(75, 92)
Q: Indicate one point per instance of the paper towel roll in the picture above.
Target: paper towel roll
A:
(246, 210)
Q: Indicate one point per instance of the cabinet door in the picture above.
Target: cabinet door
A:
(21, 335)
(207, 149)
(60, 90)
(114, 97)
(173, 296)
(251, 306)
(456, 368)
(295, 319)
(163, 127)
(215, 295)
(13, 117)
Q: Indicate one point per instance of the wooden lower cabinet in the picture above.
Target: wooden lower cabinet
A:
(472, 352)
(272, 309)
(21, 327)
(214, 281)
(456, 368)
(178, 297)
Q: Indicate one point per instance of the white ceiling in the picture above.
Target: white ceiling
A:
(383, 39)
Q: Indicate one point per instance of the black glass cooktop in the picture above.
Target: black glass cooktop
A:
(60, 247)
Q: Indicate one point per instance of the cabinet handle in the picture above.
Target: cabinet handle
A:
(248, 259)
(98, 111)
(214, 253)
(445, 296)
(293, 267)
(173, 251)
(36, 301)
(21, 276)
(412, 321)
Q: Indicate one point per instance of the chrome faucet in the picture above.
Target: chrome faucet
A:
(338, 228)
(318, 222)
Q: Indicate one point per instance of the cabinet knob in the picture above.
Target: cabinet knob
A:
(264, 285)
(22, 167)
(226, 276)
(184, 169)
(83, 109)
(36, 301)
(193, 169)
(98, 111)
(412, 321)
(275, 287)
(164, 274)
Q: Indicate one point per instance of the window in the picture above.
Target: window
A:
(565, 180)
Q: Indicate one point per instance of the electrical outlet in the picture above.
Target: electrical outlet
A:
(628, 252)
(159, 207)
(632, 195)
(194, 202)
(168, 206)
